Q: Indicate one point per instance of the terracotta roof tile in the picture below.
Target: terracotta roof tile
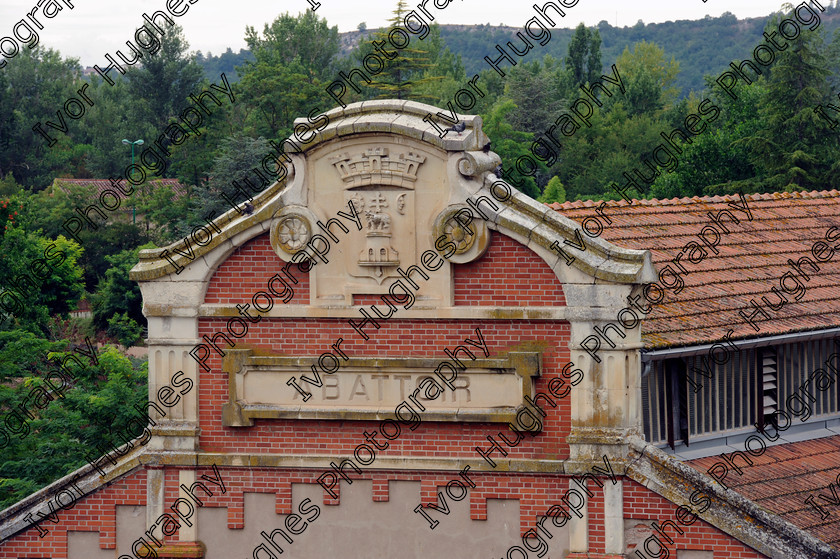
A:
(752, 258)
(785, 476)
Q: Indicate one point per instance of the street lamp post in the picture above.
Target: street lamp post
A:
(133, 203)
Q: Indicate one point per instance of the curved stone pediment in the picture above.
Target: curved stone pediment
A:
(406, 184)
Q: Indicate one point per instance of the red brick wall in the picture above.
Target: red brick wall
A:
(642, 503)
(535, 492)
(507, 275)
(505, 270)
(248, 270)
(94, 513)
(395, 338)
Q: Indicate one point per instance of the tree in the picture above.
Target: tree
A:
(554, 192)
(406, 73)
(43, 273)
(720, 160)
(70, 426)
(160, 87)
(642, 94)
(166, 209)
(287, 78)
(306, 38)
(125, 329)
(647, 63)
(280, 92)
(584, 57)
(49, 209)
(239, 156)
(114, 116)
(511, 144)
(832, 55)
(117, 293)
(796, 146)
(32, 89)
(530, 87)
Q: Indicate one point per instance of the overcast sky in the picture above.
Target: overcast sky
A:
(95, 27)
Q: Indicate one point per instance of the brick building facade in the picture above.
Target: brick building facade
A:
(384, 359)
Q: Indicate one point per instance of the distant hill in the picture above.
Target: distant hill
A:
(704, 46)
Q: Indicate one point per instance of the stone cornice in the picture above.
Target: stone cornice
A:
(730, 511)
(536, 224)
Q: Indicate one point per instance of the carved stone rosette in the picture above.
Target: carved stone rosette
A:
(469, 235)
(291, 229)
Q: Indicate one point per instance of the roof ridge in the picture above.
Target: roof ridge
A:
(757, 197)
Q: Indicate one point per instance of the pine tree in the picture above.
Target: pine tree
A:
(554, 192)
(405, 72)
(795, 146)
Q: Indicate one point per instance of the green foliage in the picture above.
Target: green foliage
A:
(584, 58)
(116, 293)
(238, 157)
(31, 90)
(796, 144)
(445, 76)
(280, 93)
(125, 329)
(160, 87)
(9, 186)
(554, 192)
(286, 80)
(48, 209)
(648, 71)
(510, 144)
(43, 285)
(161, 207)
(406, 71)
(225, 63)
(72, 425)
(305, 38)
(532, 88)
(702, 47)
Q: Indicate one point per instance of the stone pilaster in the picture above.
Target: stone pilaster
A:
(606, 404)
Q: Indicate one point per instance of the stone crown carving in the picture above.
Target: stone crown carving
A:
(376, 166)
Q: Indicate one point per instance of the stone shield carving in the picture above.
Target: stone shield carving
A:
(380, 184)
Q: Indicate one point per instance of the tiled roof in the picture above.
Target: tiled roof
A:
(103, 184)
(752, 258)
(785, 476)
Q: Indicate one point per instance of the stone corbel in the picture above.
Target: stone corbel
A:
(474, 163)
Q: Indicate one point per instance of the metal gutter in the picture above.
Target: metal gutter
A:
(688, 351)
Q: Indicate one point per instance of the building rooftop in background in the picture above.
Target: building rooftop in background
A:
(752, 258)
(789, 477)
(786, 476)
(102, 185)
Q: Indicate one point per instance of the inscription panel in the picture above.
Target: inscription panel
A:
(489, 390)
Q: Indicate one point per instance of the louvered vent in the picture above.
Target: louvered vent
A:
(769, 384)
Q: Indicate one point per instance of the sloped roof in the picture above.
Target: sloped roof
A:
(752, 258)
(104, 184)
(785, 476)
